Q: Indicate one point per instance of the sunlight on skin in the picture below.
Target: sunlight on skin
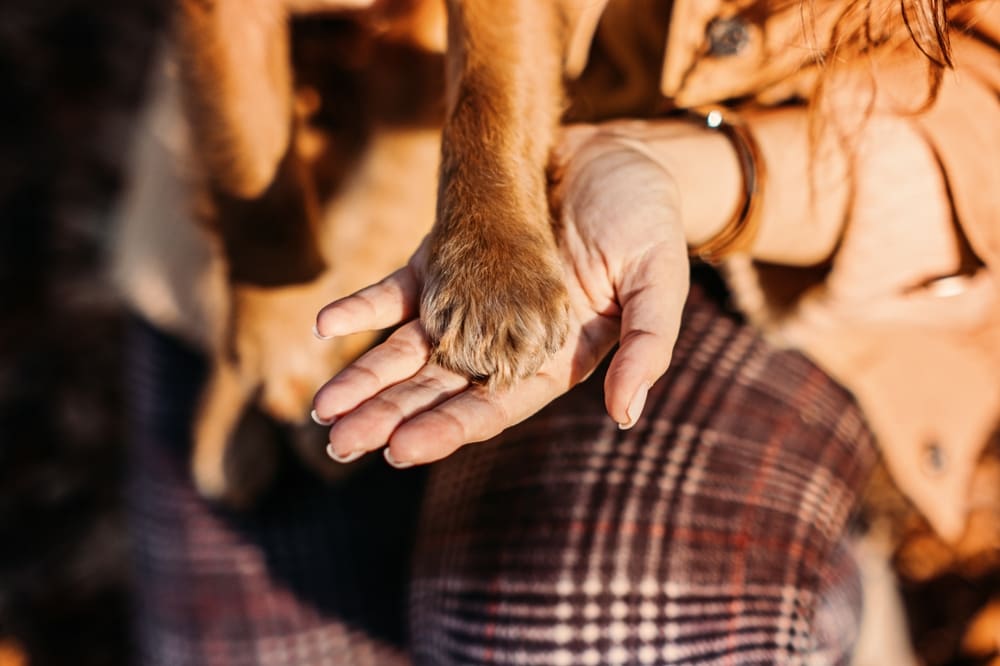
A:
(626, 270)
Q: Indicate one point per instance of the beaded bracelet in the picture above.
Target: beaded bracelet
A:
(740, 231)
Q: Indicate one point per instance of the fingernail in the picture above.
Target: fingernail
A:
(634, 409)
(318, 334)
(318, 420)
(392, 461)
(350, 457)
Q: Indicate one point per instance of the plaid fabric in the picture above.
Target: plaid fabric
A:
(712, 532)
(315, 575)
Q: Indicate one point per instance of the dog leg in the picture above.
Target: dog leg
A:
(494, 302)
(235, 72)
(223, 403)
(237, 87)
(237, 94)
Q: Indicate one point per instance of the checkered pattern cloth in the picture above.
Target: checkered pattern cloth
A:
(713, 532)
(313, 576)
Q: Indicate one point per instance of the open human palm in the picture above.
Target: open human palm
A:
(626, 270)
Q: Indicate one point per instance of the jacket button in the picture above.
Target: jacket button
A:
(727, 36)
(935, 460)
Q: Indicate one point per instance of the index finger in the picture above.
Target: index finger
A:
(386, 303)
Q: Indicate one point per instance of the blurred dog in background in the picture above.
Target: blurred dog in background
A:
(494, 305)
(248, 116)
(240, 265)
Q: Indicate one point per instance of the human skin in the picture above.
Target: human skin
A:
(634, 195)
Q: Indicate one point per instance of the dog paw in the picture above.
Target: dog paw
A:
(218, 468)
(497, 316)
(264, 375)
(209, 476)
(240, 475)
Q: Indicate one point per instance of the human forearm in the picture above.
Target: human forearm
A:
(806, 195)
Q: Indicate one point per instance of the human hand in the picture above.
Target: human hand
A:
(626, 270)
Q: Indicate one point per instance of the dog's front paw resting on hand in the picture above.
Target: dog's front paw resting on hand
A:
(494, 307)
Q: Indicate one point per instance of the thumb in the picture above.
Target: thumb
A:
(652, 297)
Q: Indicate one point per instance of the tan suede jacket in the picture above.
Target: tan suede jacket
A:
(931, 391)
(930, 388)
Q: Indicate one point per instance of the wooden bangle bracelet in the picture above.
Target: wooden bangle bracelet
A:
(739, 233)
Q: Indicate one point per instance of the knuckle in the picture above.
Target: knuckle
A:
(405, 347)
(427, 383)
(387, 409)
(361, 372)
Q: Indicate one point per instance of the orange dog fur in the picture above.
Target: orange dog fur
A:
(494, 304)
(299, 199)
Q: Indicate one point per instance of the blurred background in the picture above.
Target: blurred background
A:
(72, 78)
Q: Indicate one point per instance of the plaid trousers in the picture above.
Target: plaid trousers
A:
(713, 532)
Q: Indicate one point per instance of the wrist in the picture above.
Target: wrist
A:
(740, 231)
(704, 165)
